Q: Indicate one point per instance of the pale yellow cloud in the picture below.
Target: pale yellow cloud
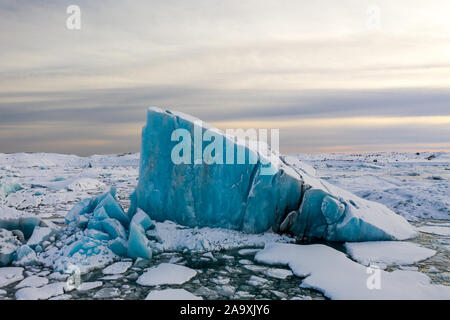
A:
(354, 122)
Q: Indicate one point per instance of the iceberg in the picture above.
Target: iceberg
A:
(242, 196)
(10, 275)
(40, 234)
(232, 196)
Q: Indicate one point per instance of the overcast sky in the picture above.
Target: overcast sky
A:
(334, 76)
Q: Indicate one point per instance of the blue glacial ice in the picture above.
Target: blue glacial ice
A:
(103, 220)
(240, 196)
(138, 244)
(231, 196)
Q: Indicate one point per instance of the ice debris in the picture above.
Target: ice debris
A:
(209, 191)
(8, 246)
(102, 219)
(22, 236)
(172, 294)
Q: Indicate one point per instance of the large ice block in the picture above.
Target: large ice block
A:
(227, 194)
(205, 189)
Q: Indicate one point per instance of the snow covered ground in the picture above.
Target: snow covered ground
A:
(220, 263)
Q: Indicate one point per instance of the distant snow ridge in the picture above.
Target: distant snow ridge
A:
(239, 197)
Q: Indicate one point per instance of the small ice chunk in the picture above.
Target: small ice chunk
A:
(118, 267)
(85, 184)
(210, 256)
(62, 297)
(138, 244)
(441, 231)
(172, 294)
(113, 209)
(58, 276)
(86, 286)
(255, 268)
(42, 293)
(25, 256)
(166, 273)
(33, 281)
(40, 234)
(112, 277)
(226, 290)
(387, 252)
(107, 293)
(119, 247)
(248, 252)
(9, 275)
(257, 281)
(114, 228)
(278, 273)
(221, 280)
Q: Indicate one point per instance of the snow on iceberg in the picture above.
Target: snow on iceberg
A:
(8, 246)
(240, 196)
(101, 223)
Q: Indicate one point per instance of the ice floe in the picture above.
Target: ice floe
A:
(118, 267)
(41, 293)
(171, 294)
(9, 275)
(32, 281)
(166, 273)
(331, 272)
(387, 252)
(86, 286)
(439, 230)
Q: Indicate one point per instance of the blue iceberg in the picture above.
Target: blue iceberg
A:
(233, 196)
(205, 189)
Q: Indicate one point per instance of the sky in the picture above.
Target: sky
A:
(333, 76)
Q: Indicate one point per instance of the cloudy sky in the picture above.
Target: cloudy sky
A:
(333, 76)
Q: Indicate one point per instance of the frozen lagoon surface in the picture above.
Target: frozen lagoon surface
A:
(48, 185)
